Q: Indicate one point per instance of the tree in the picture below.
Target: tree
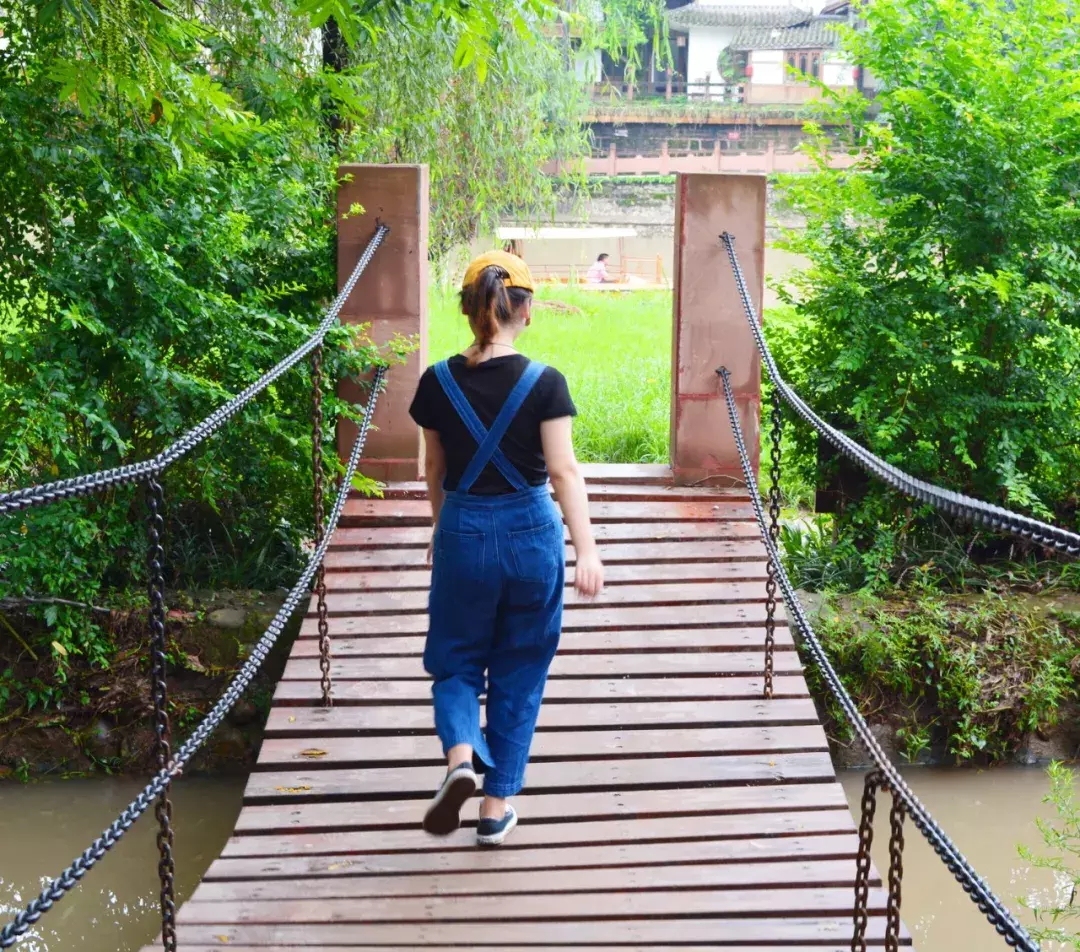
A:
(166, 194)
(940, 311)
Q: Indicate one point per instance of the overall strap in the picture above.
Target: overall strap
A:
(490, 444)
(472, 423)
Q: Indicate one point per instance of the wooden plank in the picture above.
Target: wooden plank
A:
(688, 873)
(316, 854)
(510, 948)
(280, 753)
(292, 856)
(689, 531)
(580, 907)
(413, 782)
(699, 664)
(711, 553)
(416, 512)
(395, 601)
(723, 934)
(583, 817)
(713, 932)
(574, 619)
(353, 721)
(614, 575)
(579, 642)
(418, 692)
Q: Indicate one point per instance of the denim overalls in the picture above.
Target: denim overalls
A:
(496, 601)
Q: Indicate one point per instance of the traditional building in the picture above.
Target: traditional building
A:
(760, 48)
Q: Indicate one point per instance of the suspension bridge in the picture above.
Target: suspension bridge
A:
(680, 793)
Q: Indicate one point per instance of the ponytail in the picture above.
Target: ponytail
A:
(489, 304)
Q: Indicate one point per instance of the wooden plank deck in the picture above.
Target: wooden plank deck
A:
(668, 804)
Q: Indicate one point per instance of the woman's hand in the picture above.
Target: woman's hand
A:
(430, 557)
(589, 575)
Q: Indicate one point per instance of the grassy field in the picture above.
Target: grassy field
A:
(615, 350)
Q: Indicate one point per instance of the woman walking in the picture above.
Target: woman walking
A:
(496, 427)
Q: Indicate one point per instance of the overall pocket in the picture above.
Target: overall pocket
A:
(459, 556)
(537, 552)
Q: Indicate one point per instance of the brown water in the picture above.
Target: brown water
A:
(115, 908)
(43, 826)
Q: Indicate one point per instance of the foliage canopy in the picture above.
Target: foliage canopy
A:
(167, 173)
(941, 307)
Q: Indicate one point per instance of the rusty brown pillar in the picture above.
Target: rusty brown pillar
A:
(710, 326)
(392, 297)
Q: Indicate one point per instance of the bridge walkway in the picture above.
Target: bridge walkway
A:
(668, 803)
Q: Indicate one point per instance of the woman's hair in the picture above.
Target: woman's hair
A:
(489, 304)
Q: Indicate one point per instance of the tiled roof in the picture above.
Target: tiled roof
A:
(819, 34)
(702, 14)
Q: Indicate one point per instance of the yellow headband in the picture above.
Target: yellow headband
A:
(511, 264)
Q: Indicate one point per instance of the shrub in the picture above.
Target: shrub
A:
(978, 674)
(1062, 838)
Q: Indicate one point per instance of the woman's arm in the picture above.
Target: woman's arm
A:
(569, 485)
(434, 473)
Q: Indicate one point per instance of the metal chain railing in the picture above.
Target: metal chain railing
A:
(896, 873)
(953, 503)
(862, 866)
(159, 692)
(774, 531)
(135, 472)
(70, 877)
(873, 781)
(317, 480)
(995, 911)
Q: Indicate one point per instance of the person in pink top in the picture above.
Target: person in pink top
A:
(598, 272)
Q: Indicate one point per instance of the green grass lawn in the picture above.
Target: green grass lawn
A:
(615, 350)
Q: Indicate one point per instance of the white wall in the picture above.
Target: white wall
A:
(836, 71)
(768, 67)
(704, 45)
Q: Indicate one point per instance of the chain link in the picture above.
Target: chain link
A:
(863, 859)
(1006, 924)
(159, 692)
(774, 532)
(70, 877)
(953, 503)
(317, 480)
(135, 472)
(896, 873)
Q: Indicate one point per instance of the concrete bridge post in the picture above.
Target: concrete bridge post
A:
(710, 327)
(391, 296)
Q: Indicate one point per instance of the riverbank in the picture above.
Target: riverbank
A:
(963, 678)
(89, 718)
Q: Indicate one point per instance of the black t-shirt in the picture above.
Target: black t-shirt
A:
(486, 387)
